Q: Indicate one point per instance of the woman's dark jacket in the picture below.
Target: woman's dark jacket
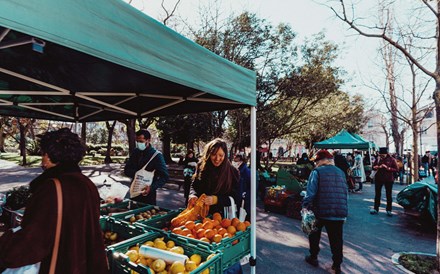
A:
(208, 184)
(81, 248)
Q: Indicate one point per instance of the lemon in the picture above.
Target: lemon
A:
(170, 244)
(148, 243)
(160, 245)
(206, 271)
(158, 239)
(149, 262)
(132, 255)
(196, 258)
(177, 249)
(158, 265)
(210, 256)
(136, 247)
(177, 267)
(152, 271)
(190, 265)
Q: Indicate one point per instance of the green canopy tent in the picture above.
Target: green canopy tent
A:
(344, 140)
(104, 60)
(97, 60)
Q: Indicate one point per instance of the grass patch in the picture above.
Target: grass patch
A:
(419, 264)
(35, 161)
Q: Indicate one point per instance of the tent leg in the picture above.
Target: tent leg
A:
(253, 259)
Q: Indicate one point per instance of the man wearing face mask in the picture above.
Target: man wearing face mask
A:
(140, 156)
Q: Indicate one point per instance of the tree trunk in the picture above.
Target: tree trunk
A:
(22, 142)
(110, 129)
(84, 132)
(2, 141)
(415, 155)
(166, 150)
(131, 133)
(437, 111)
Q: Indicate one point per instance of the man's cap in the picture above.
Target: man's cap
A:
(323, 154)
(383, 150)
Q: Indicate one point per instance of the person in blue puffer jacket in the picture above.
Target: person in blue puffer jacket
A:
(327, 197)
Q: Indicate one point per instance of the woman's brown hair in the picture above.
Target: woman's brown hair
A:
(226, 171)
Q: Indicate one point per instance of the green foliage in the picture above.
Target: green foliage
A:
(419, 264)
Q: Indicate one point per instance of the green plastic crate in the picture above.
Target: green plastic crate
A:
(127, 204)
(125, 216)
(232, 248)
(160, 222)
(124, 230)
(121, 265)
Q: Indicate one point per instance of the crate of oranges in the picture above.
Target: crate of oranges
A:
(158, 253)
(228, 236)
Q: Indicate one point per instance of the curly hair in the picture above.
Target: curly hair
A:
(62, 146)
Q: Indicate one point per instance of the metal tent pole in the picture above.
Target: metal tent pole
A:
(253, 259)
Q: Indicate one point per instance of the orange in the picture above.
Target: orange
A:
(190, 224)
(190, 236)
(206, 219)
(186, 231)
(217, 216)
(200, 233)
(205, 239)
(231, 230)
(208, 225)
(226, 235)
(222, 231)
(241, 226)
(218, 227)
(198, 226)
(247, 223)
(215, 223)
(235, 222)
(217, 238)
(209, 233)
(177, 230)
(225, 223)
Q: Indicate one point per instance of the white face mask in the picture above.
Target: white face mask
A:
(141, 146)
(236, 164)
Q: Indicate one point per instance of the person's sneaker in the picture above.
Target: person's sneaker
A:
(337, 269)
(358, 191)
(373, 211)
(389, 214)
(312, 260)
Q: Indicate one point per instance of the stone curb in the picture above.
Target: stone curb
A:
(396, 256)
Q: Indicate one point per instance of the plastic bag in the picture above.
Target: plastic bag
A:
(308, 221)
(116, 192)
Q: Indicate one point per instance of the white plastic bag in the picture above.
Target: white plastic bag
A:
(116, 192)
(27, 269)
(308, 221)
(230, 212)
(142, 178)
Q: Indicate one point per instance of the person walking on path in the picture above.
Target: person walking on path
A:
(385, 165)
(359, 171)
(327, 197)
(140, 156)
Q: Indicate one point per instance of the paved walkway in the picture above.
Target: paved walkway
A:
(369, 240)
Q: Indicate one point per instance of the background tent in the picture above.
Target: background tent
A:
(92, 60)
(343, 140)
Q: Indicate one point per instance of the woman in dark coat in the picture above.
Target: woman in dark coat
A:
(216, 177)
(81, 248)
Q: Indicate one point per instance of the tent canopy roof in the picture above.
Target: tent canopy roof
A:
(344, 140)
(105, 60)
